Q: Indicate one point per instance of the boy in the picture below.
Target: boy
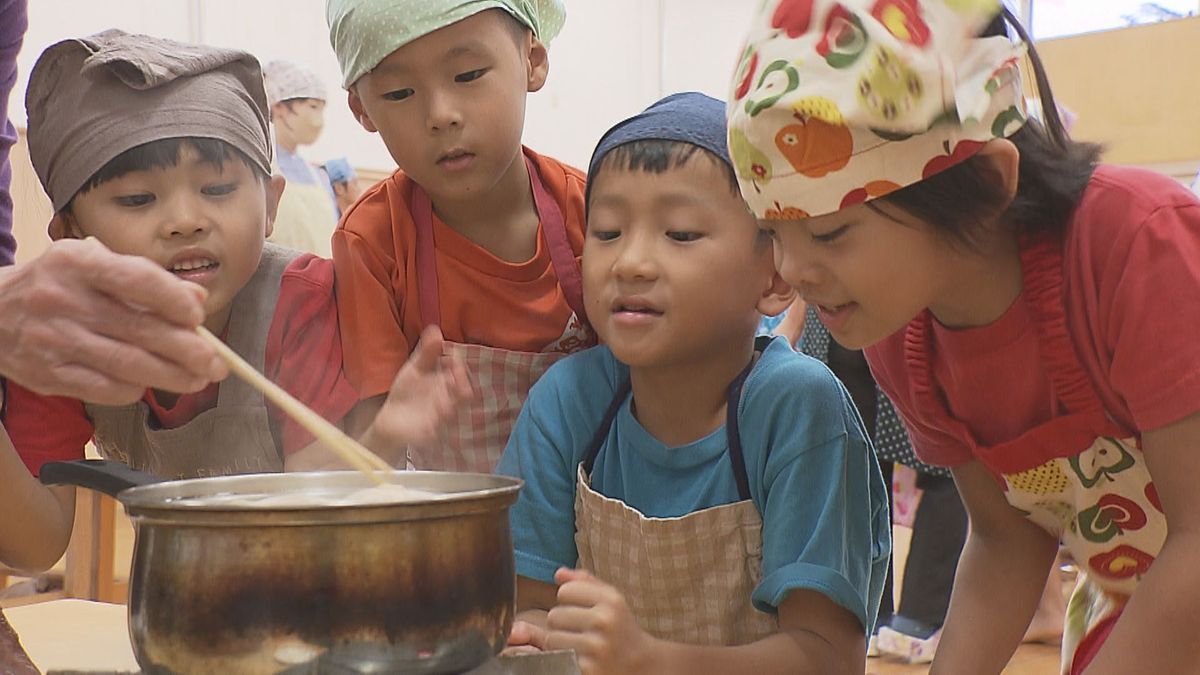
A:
(474, 233)
(308, 209)
(161, 149)
(720, 494)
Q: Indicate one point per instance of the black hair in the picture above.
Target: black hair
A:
(291, 103)
(1053, 172)
(164, 153)
(656, 156)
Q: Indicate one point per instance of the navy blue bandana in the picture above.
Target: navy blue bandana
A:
(689, 117)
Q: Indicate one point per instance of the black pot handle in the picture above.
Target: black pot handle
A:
(101, 475)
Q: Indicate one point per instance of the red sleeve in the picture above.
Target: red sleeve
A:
(45, 428)
(304, 348)
(1150, 285)
(931, 444)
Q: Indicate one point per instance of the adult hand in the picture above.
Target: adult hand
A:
(593, 618)
(424, 397)
(85, 322)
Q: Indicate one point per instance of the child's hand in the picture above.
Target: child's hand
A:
(526, 638)
(424, 397)
(593, 619)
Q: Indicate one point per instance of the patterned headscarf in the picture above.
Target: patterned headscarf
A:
(286, 80)
(365, 32)
(91, 99)
(839, 102)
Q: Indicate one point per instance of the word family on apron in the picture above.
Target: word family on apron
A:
(233, 437)
(686, 579)
(476, 438)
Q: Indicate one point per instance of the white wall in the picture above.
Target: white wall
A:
(612, 59)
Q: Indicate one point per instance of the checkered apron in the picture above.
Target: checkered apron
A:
(686, 579)
(233, 437)
(476, 438)
(1094, 492)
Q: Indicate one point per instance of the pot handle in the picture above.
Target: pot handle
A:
(101, 475)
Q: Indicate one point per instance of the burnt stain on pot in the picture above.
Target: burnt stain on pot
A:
(224, 590)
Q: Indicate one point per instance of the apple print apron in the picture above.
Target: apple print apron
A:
(1080, 476)
(476, 438)
(686, 579)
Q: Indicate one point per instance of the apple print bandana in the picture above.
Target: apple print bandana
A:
(836, 103)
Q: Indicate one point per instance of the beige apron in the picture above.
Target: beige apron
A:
(233, 437)
(686, 579)
(476, 438)
(1094, 493)
(306, 218)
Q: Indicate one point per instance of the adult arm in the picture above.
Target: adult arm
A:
(85, 322)
(999, 581)
(1156, 632)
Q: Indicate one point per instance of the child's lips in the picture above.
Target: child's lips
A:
(635, 312)
(456, 160)
(199, 270)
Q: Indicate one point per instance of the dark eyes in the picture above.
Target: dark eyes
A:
(398, 95)
(135, 200)
(604, 235)
(683, 236)
(219, 190)
(470, 75)
(830, 236)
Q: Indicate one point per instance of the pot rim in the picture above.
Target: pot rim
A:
(459, 494)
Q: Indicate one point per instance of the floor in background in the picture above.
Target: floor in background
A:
(1031, 659)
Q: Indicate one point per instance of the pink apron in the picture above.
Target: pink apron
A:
(476, 439)
(1079, 476)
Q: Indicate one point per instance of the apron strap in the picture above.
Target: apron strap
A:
(553, 228)
(733, 437)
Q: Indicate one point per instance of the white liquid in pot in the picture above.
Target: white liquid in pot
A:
(387, 493)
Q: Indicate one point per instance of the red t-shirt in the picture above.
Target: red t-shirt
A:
(484, 300)
(303, 355)
(1131, 273)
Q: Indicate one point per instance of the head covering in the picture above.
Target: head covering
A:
(688, 117)
(365, 32)
(91, 99)
(339, 170)
(286, 80)
(835, 103)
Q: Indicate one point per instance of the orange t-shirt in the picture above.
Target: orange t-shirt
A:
(483, 300)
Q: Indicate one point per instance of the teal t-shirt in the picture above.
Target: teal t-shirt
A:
(812, 474)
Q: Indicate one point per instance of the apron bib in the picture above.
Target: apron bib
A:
(686, 579)
(476, 438)
(306, 218)
(1094, 493)
(233, 437)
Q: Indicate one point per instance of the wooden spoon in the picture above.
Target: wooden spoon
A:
(349, 449)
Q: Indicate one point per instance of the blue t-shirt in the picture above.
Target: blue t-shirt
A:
(811, 470)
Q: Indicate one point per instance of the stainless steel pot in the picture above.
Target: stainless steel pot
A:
(414, 587)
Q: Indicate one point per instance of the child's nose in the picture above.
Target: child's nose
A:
(636, 260)
(443, 112)
(185, 220)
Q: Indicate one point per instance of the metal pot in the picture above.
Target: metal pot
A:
(414, 587)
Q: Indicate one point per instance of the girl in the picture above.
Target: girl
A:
(1030, 312)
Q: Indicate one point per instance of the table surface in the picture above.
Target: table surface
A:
(82, 636)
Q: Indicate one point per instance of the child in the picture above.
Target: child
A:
(474, 233)
(160, 149)
(1031, 314)
(717, 497)
(308, 208)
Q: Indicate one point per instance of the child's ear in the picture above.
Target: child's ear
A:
(360, 113)
(539, 63)
(274, 190)
(64, 226)
(777, 297)
(999, 160)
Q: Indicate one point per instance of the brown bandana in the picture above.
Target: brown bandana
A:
(91, 99)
